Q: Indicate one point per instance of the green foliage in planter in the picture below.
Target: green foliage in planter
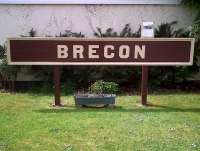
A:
(103, 87)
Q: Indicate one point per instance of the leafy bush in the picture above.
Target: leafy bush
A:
(8, 74)
(102, 87)
(195, 6)
(68, 87)
(126, 32)
(166, 30)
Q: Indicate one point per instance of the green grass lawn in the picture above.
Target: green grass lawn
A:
(29, 123)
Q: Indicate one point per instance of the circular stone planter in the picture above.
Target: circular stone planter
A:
(94, 100)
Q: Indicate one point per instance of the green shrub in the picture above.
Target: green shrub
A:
(8, 74)
(68, 87)
(102, 87)
(194, 5)
(126, 32)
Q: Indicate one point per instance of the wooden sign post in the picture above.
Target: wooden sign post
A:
(101, 51)
(57, 85)
(144, 85)
(147, 31)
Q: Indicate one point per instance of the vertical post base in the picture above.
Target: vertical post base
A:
(57, 101)
(144, 85)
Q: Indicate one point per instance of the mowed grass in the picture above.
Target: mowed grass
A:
(29, 123)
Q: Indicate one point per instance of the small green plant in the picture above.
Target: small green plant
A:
(102, 87)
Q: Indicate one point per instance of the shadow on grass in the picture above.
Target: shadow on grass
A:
(135, 93)
(151, 108)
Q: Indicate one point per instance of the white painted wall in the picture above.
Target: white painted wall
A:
(16, 20)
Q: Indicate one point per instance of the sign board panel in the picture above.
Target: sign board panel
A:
(100, 51)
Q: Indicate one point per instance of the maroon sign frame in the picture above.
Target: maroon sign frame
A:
(100, 51)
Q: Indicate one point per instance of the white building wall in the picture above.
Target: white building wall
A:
(16, 20)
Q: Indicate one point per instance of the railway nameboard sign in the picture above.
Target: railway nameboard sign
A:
(100, 51)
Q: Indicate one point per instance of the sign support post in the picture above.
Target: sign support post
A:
(144, 85)
(57, 85)
(147, 31)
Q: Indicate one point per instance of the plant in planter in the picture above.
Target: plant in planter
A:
(100, 94)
